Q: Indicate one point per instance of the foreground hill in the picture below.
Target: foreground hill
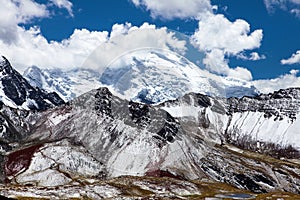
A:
(100, 136)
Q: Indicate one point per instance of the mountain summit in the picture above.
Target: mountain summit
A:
(16, 92)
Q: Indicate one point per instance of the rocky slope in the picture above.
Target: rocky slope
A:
(16, 92)
(255, 123)
(100, 136)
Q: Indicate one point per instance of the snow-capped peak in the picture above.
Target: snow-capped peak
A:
(158, 75)
(145, 75)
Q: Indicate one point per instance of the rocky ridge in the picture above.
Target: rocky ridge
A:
(16, 92)
(100, 136)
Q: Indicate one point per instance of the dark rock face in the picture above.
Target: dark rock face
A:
(103, 101)
(139, 113)
(169, 130)
(19, 91)
(280, 103)
(12, 127)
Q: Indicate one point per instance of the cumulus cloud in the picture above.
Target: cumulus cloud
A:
(120, 29)
(217, 32)
(64, 4)
(271, 5)
(240, 73)
(26, 47)
(282, 82)
(32, 48)
(16, 12)
(255, 56)
(170, 9)
(220, 38)
(292, 6)
(215, 61)
(295, 58)
(132, 38)
(216, 36)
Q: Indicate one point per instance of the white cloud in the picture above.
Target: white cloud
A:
(217, 36)
(272, 4)
(170, 9)
(295, 58)
(217, 32)
(292, 6)
(133, 38)
(254, 56)
(215, 61)
(64, 4)
(15, 12)
(120, 29)
(282, 82)
(220, 38)
(26, 47)
(32, 48)
(240, 73)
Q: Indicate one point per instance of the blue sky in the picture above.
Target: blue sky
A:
(268, 50)
(281, 35)
(102, 15)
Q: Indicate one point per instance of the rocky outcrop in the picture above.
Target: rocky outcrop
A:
(16, 92)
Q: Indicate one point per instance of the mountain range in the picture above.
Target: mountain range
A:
(148, 76)
(99, 141)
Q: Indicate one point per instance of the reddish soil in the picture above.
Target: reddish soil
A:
(19, 160)
(163, 173)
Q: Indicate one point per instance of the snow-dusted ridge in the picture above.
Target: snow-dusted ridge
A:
(267, 118)
(103, 136)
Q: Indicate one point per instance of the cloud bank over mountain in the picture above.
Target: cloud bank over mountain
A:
(218, 37)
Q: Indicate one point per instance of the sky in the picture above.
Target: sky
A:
(254, 40)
